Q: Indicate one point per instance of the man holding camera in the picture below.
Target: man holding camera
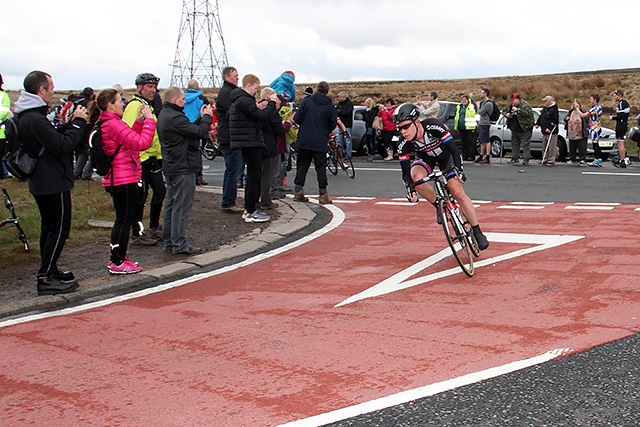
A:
(520, 121)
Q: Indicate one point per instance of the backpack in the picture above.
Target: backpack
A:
(102, 163)
(495, 114)
(18, 161)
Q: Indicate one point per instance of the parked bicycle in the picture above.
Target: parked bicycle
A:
(14, 220)
(337, 155)
(457, 229)
(210, 149)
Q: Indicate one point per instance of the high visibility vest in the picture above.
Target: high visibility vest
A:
(470, 121)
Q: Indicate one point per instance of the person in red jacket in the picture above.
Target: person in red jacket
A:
(122, 180)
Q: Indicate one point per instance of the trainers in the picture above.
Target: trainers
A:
(49, 285)
(155, 233)
(481, 239)
(514, 161)
(255, 217)
(143, 240)
(597, 163)
(126, 267)
(582, 162)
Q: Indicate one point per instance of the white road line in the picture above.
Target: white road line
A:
(523, 207)
(426, 391)
(611, 173)
(596, 204)
(532, 203)
(589, 208)
(346, 201)
(336, 220)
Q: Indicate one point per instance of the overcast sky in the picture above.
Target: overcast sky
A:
(99, 43)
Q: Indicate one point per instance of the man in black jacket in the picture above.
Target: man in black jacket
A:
(233, 162)
(548, 124)
(52, 180)
(180, 141)
(317, 118)
(245, 130)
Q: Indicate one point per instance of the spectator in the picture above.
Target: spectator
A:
(5, 113)
(308, 91)
(194, 100)
(345, 115)
(317, 117)
(577, 132)
(278, 186)
(388, 127)
(245, 130)
(181, 153)
(233, 162)
(284, 87)
(520, 121)
(124, 143)
(548, 124)
(368, 115)
(485, 108)
(623, 109)
(151, 159)
(67, 108)
(465, 122)
(272, 128)
(52, 180)
(431, 107)
(83, 167)
(118, 88)
(594, 114)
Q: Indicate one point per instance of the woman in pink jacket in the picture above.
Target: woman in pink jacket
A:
(126, 172)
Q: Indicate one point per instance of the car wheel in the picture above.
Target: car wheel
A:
(496, 147)
(561, 150)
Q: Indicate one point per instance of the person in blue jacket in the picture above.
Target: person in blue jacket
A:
(285, 87)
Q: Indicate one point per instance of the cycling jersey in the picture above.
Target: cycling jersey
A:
(438, 148)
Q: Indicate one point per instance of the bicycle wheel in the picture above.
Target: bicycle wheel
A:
(332, 163)
(208, 153)
(345, 162)
(457, 238)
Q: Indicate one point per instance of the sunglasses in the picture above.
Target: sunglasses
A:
(405, 127)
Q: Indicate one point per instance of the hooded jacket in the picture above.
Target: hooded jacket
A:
(245, 120)
(317, 117)
(126, 168)
(193, 102)
(284, 87)
(180, 140)
(54, 172)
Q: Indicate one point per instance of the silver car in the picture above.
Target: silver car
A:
(500, 137)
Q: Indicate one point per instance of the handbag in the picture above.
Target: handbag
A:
(20, 164)
(377, 123)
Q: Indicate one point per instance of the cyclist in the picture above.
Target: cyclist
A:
(433, 145)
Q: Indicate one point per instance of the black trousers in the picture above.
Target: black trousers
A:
(302, 167)
(125, 202)
(151, 177)
(253, 159)
(55, 215)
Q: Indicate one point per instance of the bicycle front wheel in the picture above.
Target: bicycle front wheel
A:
(208, 153)
(345, 162)
(332, 163)
(457, 238)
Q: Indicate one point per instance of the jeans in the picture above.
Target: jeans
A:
(371, 141)
(125, 203)
(83, 167)
(181, 190)
(349, 144)
(55, 225)
(303, 164)
(233, 166)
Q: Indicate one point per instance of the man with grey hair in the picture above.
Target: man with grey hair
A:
(181, 159)
(345, 115)
(431, 107)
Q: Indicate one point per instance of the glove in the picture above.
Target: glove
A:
(347, 135)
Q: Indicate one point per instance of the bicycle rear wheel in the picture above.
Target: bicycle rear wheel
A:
(332, 163)
(457, 238)
(345, 162)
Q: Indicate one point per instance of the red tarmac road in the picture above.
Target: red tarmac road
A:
(278, 340)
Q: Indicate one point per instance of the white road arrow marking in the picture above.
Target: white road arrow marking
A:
(399, 280)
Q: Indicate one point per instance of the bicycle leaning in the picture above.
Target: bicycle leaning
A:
(337, 156)
(457, 229)
(13, 220)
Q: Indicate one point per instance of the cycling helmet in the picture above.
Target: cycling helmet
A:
(405, 112)
(146, 78)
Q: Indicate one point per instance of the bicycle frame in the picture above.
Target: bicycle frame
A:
(338, 156)
(14, 220)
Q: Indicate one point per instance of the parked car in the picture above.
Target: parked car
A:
(500, 137)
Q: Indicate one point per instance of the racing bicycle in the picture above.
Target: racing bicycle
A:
(457, 229)
(210, 149)
(14, 220)
(337, 155)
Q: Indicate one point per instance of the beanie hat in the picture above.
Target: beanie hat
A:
(290, 72)
(285, 112)
(308, 91)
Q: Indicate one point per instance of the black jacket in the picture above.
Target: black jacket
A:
(368, 116)
(549, 118)
(180, 139)
(270, 130)
(245, 120)
(345, 112)
(317, 118)
(223, 103)
(54, 172)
